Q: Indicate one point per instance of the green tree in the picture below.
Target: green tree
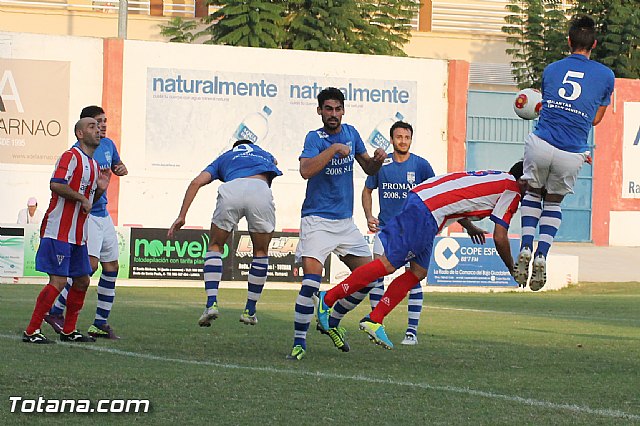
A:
(387, 24)
(253, 23)
(537, 30)
(618, 34)
(179, 30)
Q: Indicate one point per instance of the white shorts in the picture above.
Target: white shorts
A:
(549, 167)
(248, 197)
(377, 244)
(320, 237)
(102, 239)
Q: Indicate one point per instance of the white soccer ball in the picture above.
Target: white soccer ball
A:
(528, 103)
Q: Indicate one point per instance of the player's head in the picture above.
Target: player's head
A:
(401, 136)
(331, 108)
(94, 111)
(582, 34)
(517, 171)
(87, 132)
(242, 142)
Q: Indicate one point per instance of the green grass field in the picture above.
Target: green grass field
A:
(566, 357)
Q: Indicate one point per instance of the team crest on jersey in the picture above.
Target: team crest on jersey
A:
(60, 258)
(350, 145)
(411, 177)
(322, 134)
(107, 155)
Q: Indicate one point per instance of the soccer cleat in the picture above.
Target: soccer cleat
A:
(521, 271)
(37, 337)
(376, 332)
(297, 353)
(322, 311)
(539, 273)
(55, 321)
(75, 336)
(208, 315)
(248, 319)
(410, 339)
(104, 331)
(337, 336)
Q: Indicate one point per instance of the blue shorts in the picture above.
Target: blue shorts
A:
(409, 236)
(61, 258)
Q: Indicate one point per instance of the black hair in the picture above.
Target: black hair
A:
(91, 111)
(517, 170)
(400, 125)
(242, 141)
(582, 33)
(330, 93)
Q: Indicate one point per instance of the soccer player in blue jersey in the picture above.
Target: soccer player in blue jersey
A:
(102, 239)
(327, 226)
(575, 94)
(400, 172)
(247, 172)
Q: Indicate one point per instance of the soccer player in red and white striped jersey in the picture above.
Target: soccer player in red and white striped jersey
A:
(75, 184)
(461, 197)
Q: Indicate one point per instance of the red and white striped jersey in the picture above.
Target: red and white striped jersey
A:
(64, 219)
(474, 195)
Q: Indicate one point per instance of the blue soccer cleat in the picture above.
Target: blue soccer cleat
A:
(376, 332)
(322, 311)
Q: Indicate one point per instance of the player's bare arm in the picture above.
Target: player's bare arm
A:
(119, 169)
(65, 191)
(309, 167)
(599, 115)
(367, 206)
(476, 234)
(204, 178)
(371, 165)
(501, 240)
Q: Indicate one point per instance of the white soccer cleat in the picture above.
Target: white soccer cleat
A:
(539, 273)
(247, 319)
(521, 272)
(410, 339)
(208, 315)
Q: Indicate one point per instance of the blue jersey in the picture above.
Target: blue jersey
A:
(573, 89)
(330, 192)
(106, 155)
(395, 180)
(242, 161)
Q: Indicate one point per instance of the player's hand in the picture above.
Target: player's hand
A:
(86, 205)
(379, 155)
(372, 224)
(588, 159)
(120, 169)
(476, 234)
(177, 224)
(341, 149)
(103, 179)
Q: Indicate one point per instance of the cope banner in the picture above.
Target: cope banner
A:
(457, 261)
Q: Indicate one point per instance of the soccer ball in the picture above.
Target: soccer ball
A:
(528, 103)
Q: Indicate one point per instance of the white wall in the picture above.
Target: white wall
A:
(622, 226)
(152, 197)
(20, 181)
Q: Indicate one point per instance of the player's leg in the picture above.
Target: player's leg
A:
(260, 213)
(213, 273)
(562, 178)
(376, 292)
(537, 162)
(79, 270)
(108, 256)
(414, 311)
(55, 316)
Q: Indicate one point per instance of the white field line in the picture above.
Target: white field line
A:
(359, 378)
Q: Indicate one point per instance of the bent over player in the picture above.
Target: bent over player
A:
(247, 172)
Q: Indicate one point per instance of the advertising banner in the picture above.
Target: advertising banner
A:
(282, 253)
(457, 261)
(33, 127)
(153, 255)
(11, 251)
(631, 151)
(272, 110)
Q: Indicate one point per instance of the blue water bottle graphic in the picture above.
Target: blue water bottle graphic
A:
(379, 137)
(253, 127)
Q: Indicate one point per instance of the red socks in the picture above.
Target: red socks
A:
(75, 300)
(397, 291)
(359, 279)
(44, 302)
